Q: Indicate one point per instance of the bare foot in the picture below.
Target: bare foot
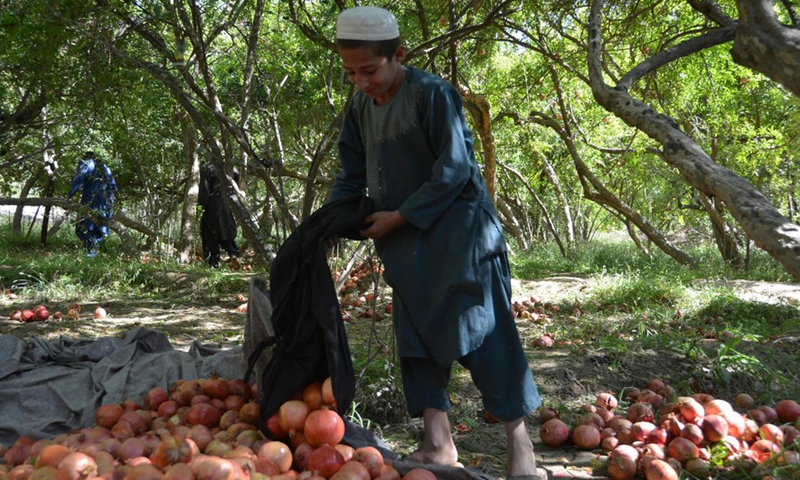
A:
(438, 447)
(521, 459)
(436, 457)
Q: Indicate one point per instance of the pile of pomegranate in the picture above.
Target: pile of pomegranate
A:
(659, 434)
(204, 429)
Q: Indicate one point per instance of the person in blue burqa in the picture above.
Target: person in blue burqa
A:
(97, 185)
(405, 142)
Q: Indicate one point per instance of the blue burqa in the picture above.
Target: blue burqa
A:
(98, 186)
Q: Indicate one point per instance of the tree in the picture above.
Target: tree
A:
(771, 231)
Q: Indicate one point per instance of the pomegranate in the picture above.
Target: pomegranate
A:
(787, 411)
(682, 449)
(554, 432)
(714, 427)
(312, 395)
(607, 401)
(77, 466)
(323, 426)
(215, 387)
(419, 473)
(214, 468)
(203, 414)
(352, 471)
(586, 437)
(41, 314)
(371, 457)
(278, 452)
(325, 461)
(660, 470)
(744, 401)
(107, 415)
(621, 468)
(327, 392)
(172, 450)
(292, 416)
(546, 413)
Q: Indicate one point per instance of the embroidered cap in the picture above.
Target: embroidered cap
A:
(366, 23)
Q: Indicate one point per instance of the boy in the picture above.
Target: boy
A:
(406, 142)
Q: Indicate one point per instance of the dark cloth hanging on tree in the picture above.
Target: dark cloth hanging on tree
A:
(217, 225)
(310, 342)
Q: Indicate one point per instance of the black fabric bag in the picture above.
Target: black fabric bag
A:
(309, 341)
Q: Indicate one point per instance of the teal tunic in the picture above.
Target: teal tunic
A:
(415, 154)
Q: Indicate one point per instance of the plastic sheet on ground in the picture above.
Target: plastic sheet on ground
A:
(50, 387)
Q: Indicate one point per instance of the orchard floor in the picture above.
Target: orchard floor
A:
(566, 379)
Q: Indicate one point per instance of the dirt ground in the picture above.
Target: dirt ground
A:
(565, 379)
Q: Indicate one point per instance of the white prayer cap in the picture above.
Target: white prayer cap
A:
(366, 23)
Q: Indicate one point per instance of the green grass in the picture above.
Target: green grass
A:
(651, 302)
(610, 257)
(62, 270)
(640, 302)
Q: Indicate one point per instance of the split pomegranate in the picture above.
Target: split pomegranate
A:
(172, 450)
(607, 401)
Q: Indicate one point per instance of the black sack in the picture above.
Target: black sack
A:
(309, 340)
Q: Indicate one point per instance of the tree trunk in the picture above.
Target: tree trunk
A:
(767, 46)
(725, 240)
(548, 220)
(762, 222)
(511, 224)
(635, 237)
(189, 213)
(247, 83)
(16, 226)
(568, 222)
(480, 110)
(596, 191)
(50, 168)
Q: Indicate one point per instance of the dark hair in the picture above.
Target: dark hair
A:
(381, 48)
(88, 154)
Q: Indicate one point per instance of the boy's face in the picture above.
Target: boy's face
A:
(374, 75)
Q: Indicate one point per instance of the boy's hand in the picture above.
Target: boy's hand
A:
(331, 242)
(382, 223)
